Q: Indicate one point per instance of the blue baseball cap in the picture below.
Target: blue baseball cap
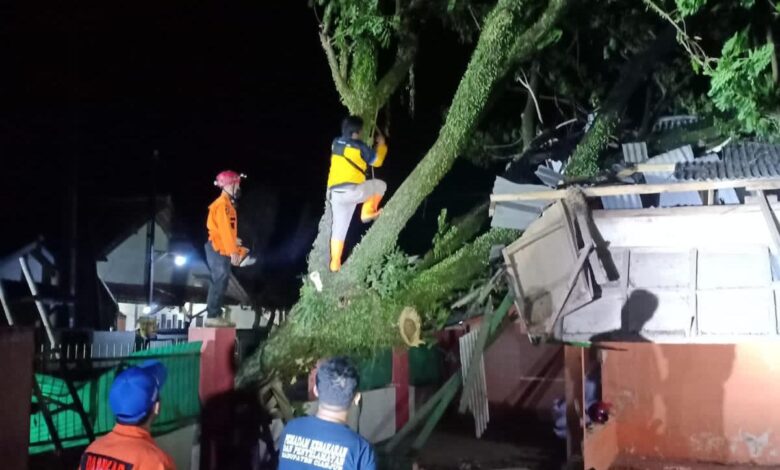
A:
(135, 390)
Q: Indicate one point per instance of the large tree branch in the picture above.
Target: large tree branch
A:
(336, 71)
(584, 160)
(405, 53)
(500, 46)
(528, 125)
(387, 85)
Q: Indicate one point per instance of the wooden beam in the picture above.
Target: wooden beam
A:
(574, 363)
(771, 221)
(647, 168)
(38, 303)
(618, 190)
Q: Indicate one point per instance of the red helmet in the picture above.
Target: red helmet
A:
(598, 412)
(228, 177)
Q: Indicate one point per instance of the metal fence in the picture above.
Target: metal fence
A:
(70, 402)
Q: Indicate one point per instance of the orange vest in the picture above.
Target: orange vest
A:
(222, 224)
(126, 448)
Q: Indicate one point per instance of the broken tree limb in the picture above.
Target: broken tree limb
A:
(463, 229)
(584, 161)
(358, 322)
(433, 420)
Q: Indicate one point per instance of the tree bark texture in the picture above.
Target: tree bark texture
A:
(327, 323)
(503, 43)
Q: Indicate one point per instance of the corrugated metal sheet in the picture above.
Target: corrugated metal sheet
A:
(626, 201)
(682, 154)
(548, 176)
(477, 397)
(516, 215)
(634, 152)
(743, 160)
(749, 151)
(668, 123)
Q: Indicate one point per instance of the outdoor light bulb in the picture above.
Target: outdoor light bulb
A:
(179, 260)
(147, 310)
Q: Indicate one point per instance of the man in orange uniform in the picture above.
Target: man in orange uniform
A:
(224, 247)
(134, 399)
(347, 185)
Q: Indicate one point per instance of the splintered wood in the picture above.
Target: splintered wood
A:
(476, 392)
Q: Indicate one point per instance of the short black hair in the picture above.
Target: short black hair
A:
(337, 382)
(351, 125)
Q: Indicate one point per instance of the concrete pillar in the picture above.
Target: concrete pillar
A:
(16, 384)
(217, 360)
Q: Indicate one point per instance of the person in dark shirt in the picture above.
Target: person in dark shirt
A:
(324, 440)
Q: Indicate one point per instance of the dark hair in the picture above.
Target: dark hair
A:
(337, 382)
(351, 125)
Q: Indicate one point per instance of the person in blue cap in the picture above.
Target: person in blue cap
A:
(324, 440)
(134, 399)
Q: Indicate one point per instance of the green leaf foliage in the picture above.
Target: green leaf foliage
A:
(741, 86)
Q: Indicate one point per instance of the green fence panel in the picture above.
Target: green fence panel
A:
(179, 398)
(425, 366)
(376, 372)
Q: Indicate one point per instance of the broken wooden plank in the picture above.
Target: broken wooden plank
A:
(38, 303)
(433, 420)
(617, 190)
(573, 277)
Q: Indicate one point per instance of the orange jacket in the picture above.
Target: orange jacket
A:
(222, 224)
(126, 448)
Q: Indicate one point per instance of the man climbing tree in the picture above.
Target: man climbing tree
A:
(347, 184)
(361, 309)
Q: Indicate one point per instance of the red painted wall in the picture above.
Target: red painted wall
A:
(712, 403)
(521, 378)
(217, 368)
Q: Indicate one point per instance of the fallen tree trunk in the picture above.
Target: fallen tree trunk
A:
(352, 317)
(360, 323)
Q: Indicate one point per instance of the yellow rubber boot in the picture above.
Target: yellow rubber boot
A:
(336, 249)
(370, 209)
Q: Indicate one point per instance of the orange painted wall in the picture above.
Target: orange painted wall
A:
(713, 403)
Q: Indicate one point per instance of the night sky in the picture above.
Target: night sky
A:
(210, 86)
